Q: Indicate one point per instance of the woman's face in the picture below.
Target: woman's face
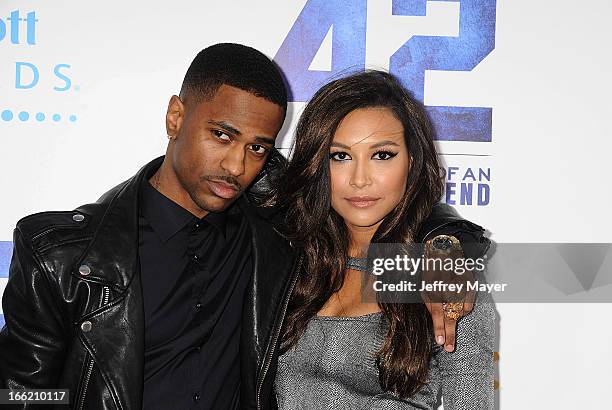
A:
(369, 165)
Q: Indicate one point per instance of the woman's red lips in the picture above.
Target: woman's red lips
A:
(223, 189)
(362, 201)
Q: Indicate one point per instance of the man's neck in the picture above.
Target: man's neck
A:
(166, 182)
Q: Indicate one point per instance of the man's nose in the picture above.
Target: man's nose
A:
(233, 161)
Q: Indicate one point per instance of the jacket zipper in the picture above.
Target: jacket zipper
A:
(86, 382)
(90, 364)
(106, 292)
(268, 358)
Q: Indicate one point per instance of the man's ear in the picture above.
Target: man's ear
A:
(174, 117)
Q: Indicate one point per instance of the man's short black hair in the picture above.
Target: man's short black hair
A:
(236, 65)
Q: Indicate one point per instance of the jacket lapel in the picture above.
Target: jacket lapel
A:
(272, 260)
(116, 338)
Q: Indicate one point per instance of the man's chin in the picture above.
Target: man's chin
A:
(216, 204)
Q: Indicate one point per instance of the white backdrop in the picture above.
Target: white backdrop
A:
(113, 67)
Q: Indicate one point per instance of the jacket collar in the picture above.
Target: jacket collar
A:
(112, 253)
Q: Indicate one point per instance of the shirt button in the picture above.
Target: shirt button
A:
(196, 397)
(194, 257)
(197, 225)
(198, 306)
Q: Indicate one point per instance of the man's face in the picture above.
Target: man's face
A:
(218, 146)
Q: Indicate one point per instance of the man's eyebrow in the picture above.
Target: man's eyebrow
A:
(265, 140)
(225, 125)
(233, 130)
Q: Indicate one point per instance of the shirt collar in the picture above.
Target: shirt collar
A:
(218, 220)
(167, 218)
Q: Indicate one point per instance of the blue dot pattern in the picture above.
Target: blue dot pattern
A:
(8, 115)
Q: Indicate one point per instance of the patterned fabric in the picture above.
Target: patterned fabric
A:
(332, 366)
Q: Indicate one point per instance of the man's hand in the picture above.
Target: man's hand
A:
(445, 328)
(448, 298)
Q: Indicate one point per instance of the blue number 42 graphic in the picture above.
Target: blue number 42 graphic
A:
(348, 21)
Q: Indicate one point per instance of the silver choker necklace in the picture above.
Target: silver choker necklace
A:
(360, 264)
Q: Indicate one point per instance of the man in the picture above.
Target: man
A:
(170, 291)
(137, 300)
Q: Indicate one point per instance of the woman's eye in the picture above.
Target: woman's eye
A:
(221, 135)
(384, 155)
(259, 149)
(339, 156)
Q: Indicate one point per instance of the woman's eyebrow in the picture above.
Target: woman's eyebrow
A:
(375, 145)
(340, 145)
(383, 143)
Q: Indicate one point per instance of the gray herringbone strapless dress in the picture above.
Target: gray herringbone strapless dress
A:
(333, 366)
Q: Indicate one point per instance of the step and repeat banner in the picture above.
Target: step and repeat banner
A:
(519, 92)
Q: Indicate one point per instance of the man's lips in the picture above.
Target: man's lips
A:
(362, 201)
(222, 189)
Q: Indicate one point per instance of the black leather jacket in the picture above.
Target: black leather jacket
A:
(74, 311)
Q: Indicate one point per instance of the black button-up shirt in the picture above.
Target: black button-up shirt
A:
(194, 274)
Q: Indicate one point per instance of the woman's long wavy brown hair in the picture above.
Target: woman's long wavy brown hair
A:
(316, 229)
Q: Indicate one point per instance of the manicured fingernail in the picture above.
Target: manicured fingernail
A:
(440, 340)
(449, 348)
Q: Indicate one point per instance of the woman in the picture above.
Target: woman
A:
(364, 169)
